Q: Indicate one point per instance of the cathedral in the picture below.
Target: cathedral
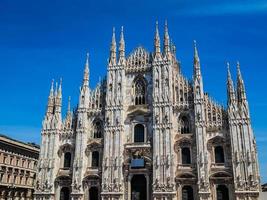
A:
(146, 132)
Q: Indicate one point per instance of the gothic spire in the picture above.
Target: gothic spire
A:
(51, 89)
(166, 39)
(59, 94)
(157, 40)
(50, 104)
(55, 93)
(230, 86)
(58, 97)
(197, 72)
(241, 92)
(68, 111)
(86, 72)
(122, 47)
(113, 49)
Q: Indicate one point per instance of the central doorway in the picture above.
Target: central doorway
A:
(93, 193)
(138, 187)
(65, 193)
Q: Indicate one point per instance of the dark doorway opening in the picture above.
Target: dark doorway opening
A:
(138, 187)
(93, 193)
(187, 193)
(65, 193)
(222, 192)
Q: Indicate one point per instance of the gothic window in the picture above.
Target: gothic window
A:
(219, 154)
(97, 130)
(187, 193)
(185, 127)
(140, 91)
(181, 95)
(214, 115)
(67, 160)
(95, 159)
(222, 192)
(186, 156)
(209, 116)
(139, 133)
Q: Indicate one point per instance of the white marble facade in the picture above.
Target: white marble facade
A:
(146, 132)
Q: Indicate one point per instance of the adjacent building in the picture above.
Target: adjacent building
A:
(147, 132)
(18, 164)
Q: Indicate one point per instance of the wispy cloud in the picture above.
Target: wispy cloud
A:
(225, 7)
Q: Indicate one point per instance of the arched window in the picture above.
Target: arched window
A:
(186, 156)
(140, 91)
(97, 130)
(67, 160)
(185, 126)
(95, 159)
(139, 133)
(65, 193)
(222, 192)
(187, 193)
(219, 154)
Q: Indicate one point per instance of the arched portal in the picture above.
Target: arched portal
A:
(65, 193)
(93, 193)
(222, 192)
(138, 187)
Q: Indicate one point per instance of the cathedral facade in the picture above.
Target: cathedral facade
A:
(146, 132)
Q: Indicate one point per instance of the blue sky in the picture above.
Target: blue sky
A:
(42, 40)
